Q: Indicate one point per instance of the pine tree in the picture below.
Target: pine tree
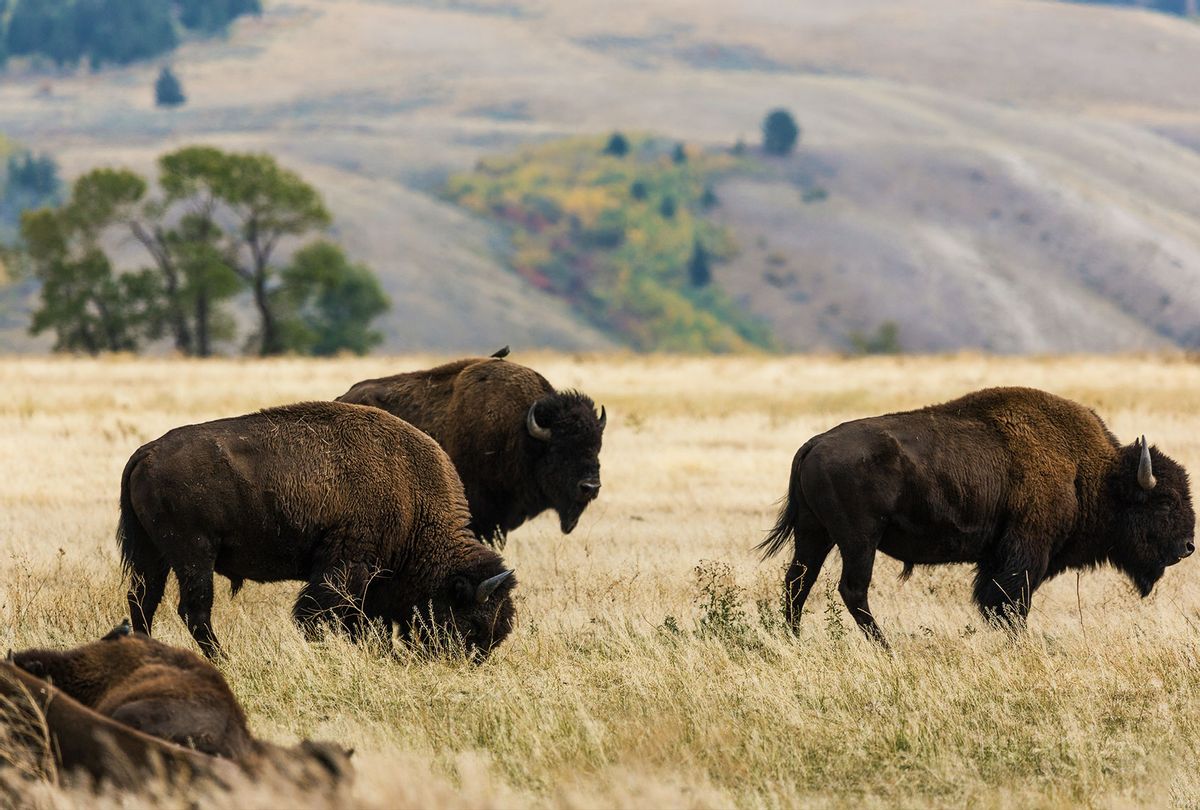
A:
(617, 145)
(168, 92)
(699, 269)
(780, 132)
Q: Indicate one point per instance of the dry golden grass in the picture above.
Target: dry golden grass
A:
(634, 680)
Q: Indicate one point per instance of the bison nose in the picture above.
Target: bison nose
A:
(1188, 549)
(589, 488)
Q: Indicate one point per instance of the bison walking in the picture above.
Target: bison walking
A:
(519, 446)
(1019, 482)
(363, 508)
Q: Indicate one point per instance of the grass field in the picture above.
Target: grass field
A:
(649, 667)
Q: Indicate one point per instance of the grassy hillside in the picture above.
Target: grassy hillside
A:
(648, 668)
(1008, 174)
(622, 237)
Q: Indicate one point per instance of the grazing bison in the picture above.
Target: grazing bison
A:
(364, 508)
(141, 687)
(1019, 482)
(519, 446)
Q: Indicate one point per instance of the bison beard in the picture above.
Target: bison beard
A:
(519, 446)
(1021, 483)
(363, 508)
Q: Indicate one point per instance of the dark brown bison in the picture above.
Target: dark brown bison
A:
(40, 721)
(1019, 482)
(520, 447)
(365, 509)
(139, 687)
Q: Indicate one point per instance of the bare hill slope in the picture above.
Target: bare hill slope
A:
(1009, 174)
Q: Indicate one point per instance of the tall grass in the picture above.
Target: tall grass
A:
(650, 666)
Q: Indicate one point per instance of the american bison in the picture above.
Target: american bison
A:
(519, 446)
(1019, 482)
(38, 716)
(363, 508)
(145, 687)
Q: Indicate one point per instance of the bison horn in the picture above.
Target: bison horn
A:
(531, 424)
(488, 586)
(603, 418)
(1146, 468)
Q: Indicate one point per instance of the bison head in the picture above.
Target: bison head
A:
(1155, 518)
(565, 433)
(475, 605)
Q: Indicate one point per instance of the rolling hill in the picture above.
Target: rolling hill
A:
(1005, 174)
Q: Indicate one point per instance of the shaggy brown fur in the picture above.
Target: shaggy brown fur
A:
(1019, 482)
(164, 691)
(477, 409)
(82, 739)
(119, 707)
(365, 509)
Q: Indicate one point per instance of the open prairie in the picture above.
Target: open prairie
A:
(649, 667)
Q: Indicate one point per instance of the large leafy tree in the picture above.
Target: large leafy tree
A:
(213, 230)
(88, 306)
(251, 204)
(326, 303)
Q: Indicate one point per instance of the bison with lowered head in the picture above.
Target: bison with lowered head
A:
(519, 446)
(363, 508)
(1018, 482)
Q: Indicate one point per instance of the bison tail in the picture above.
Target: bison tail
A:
(789, 512)
(136, 546)
(907, 572)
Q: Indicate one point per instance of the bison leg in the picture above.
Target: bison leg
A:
(858, 561)
(812, 547)
(148, 580)
(195, 608)
(336, 596)
(1003, 593)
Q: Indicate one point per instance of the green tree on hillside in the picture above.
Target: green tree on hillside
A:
(168, 92)
(699, 268)
(326, 303)
(617, 146)
(780, 132)
(211, 233)
(88, 306)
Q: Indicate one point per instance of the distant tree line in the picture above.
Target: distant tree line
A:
(211, 230)
(1186, 8)
(100, 32)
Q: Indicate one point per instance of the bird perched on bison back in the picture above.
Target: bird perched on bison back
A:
(173, 695)
(362, 507)
(519, 446)
(1019, 482)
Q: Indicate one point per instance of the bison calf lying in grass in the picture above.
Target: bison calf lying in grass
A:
(133, 704)
(364, 508)
(520, 447)
(1021, 483)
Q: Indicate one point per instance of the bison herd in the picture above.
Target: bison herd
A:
(390, 504)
